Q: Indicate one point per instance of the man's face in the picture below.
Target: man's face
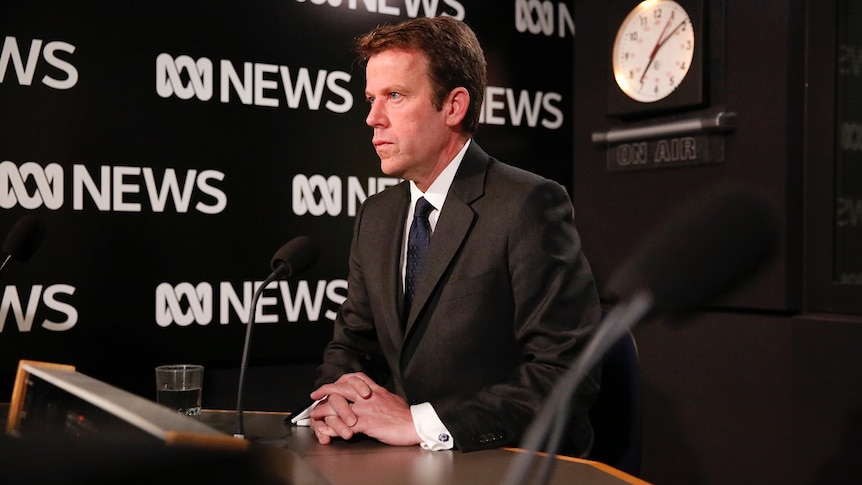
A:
(410, 136)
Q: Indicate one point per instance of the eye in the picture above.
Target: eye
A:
(370, 99)
(394, 96)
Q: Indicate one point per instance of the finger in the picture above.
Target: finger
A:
(324, 409)
(345, 388)
(322, 432)
(337, 387)
(360, 385)
(352, 386)
(322, 438)
(319, 393)
(337, 425)
(341, 408)
(335, 406)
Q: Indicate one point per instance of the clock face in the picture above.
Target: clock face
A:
(653, 50)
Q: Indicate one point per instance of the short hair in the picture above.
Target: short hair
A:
(454, 55)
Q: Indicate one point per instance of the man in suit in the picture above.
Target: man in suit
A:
(460, 349)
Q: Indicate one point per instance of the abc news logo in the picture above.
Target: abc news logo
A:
(42, 299)
(505, 106)
(252, 87)
(254, 84)
(537, 17)
(318, 195)
(185, 303)
(412, 8)
(117, 189)
(61, 74)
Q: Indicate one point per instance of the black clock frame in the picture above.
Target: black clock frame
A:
(690, 94)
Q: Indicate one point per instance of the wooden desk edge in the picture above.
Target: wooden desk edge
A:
(200, 440)
(596, 464)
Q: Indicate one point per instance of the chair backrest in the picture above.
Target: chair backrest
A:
(616, 413)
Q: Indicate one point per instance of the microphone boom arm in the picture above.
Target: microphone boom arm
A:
(280, 269)
(554, 414)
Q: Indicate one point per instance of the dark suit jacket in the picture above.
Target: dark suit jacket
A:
(505, 301)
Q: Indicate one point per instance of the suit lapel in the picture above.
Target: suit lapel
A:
(453, 226)
(391, 265)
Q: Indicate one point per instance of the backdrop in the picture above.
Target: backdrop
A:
(170, 148)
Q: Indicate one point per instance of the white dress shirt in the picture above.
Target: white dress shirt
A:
(431, 430)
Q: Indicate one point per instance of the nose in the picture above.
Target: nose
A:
(376, 115)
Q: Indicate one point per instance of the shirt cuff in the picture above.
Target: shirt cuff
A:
(431, 430)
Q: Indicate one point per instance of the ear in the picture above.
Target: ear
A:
(456, 105)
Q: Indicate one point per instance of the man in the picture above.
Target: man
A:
(504, 299)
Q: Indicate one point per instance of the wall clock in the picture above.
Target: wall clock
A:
(656, 57)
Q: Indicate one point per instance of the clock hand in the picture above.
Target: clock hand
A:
(671, 33)
(658, 43)
(661, 43)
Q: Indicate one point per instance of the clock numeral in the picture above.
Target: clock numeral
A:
(647, 68)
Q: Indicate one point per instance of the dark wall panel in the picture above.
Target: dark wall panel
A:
(617, 210)
(717, 399)
(754, 389)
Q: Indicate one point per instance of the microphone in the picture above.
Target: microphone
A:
(23, 239)
(296, 256)
(700, 254)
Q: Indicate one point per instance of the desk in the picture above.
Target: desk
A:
(75, 429)
(283, 454)
(365, 461)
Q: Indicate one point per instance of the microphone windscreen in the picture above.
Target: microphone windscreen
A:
(297, 255)
(702, 252)
(24, 238)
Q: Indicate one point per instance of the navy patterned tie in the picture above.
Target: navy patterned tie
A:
(418, 242)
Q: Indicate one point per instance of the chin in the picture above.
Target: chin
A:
(391, 169)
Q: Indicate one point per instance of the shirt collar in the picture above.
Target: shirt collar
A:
(436, 193)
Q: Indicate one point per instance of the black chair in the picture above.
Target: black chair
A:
(616, 413)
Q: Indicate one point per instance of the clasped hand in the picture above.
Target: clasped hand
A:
(356, 404)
